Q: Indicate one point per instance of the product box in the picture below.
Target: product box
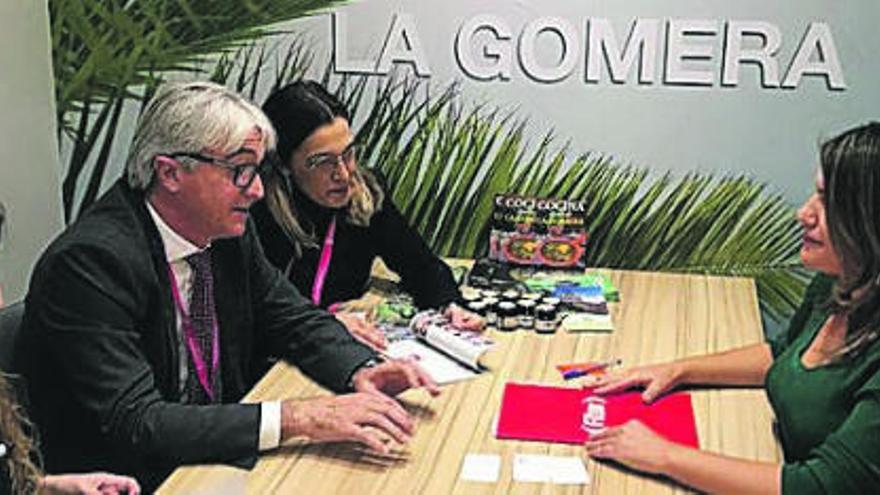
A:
(543, 232)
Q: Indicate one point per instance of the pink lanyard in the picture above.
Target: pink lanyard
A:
(189, 334)
(324, 263)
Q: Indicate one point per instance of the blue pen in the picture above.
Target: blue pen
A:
(577, 373)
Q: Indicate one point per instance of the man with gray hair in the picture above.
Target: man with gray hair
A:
(153, 314)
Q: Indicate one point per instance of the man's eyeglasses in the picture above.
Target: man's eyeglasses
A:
(328, 161)
(243, 174)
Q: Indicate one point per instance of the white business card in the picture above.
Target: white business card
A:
(560, 470)
(484, 468)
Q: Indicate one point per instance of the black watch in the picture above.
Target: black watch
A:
(369, 363)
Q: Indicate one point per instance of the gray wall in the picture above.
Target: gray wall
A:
(770, 134)
(30, 175)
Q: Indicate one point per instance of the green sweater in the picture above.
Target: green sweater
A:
(828, 417)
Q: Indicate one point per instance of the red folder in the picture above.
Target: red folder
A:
(568, 415)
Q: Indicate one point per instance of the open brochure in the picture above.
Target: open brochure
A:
(446, 353)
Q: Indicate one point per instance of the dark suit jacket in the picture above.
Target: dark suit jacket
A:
(102, 344)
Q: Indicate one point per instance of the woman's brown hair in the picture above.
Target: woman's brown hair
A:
(21, 449)
(851, 168)
(296, 111)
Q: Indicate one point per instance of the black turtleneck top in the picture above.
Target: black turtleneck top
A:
(423, 275)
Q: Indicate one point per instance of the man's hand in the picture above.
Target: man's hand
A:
(88, 484)
(393, 377)
(370, 419)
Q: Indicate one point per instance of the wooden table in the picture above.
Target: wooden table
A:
(660, 317)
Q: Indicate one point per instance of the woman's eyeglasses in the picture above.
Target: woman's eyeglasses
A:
(328, 161)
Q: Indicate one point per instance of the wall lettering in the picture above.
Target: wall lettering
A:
(688, 52)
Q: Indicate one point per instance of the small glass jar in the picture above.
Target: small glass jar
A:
(508, 316)
(526, 313)
(491, 313)
(545, 318)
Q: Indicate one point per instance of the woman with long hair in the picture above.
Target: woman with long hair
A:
(19, 472)
(18, 450)
(822, 378)
(325, 219)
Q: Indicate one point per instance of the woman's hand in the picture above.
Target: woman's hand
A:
(632, 444)
(363, 329)
(88, 484)
(464, 319)
(656, 379)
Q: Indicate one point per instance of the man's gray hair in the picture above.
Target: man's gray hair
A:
(192, 117)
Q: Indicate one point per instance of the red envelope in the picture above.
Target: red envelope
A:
(567, 415)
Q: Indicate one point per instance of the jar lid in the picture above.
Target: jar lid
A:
(510, 294)
(477, 306)
(470, 296)
(545, 311)
(507, 308)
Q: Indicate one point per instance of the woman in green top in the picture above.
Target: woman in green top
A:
(822, 378)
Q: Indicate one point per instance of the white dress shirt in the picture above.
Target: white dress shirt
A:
(176, 250)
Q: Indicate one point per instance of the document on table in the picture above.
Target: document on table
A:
(559, 470)
(441, 367)
(481, 467)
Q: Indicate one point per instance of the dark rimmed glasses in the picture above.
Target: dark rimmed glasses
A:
(243, 174)
(328, 161)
